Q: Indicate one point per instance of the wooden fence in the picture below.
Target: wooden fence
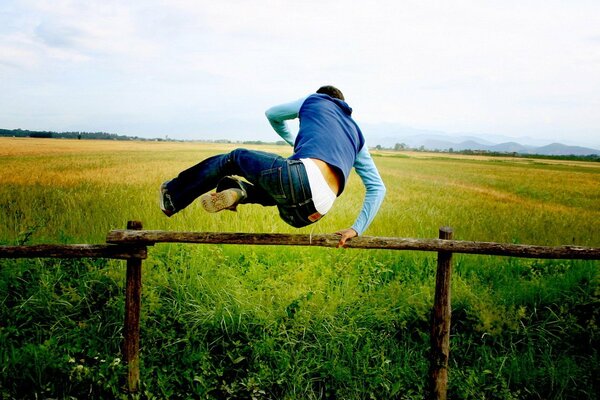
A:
(131, 245)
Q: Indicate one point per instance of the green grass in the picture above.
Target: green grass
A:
(256, 322)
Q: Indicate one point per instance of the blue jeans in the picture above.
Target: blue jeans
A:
(271, 181)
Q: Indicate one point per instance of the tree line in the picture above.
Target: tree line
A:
(404, 147)
(67, 135)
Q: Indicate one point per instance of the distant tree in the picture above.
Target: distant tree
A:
(45, 135)
(400, 146)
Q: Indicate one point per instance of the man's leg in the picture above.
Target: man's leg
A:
(205, 176)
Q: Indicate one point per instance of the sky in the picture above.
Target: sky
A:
(201, 69)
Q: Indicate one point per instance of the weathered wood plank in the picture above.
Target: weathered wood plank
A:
(122, 252)
(440, 325)
(363, 242)
(133, 307)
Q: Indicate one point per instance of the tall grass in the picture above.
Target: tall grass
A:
(296, 323)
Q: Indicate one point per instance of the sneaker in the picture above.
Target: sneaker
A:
(166, 204)
(226, 200)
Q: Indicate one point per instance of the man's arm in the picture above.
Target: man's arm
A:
(277, 116)
(375, 192)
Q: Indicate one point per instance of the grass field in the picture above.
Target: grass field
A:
(297, 323)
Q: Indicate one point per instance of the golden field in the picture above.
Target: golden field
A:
(91, 186)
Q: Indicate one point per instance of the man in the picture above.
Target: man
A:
(304, 186)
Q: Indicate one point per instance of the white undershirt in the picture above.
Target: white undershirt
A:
(322, 195)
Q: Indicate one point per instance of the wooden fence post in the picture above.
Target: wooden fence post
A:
(440, 329)
(133, 291)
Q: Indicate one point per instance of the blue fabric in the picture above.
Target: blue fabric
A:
(328, 133)
(279, 114)
(363, 162)
(374, 190)
(272, 181)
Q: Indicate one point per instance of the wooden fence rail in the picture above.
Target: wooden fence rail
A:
(131, 245)
(150, 237)
(74, 251)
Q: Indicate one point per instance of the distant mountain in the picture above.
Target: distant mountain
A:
(389, 135)
(554, 149)
(511, 147)
(557, 149)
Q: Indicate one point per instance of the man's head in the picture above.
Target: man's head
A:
(331, 91)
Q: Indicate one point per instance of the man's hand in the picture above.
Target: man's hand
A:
(345, 235)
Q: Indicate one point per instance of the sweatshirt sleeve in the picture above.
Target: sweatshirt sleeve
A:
(277, 115)
(375, 190)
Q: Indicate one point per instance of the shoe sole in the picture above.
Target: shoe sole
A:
(215, 202)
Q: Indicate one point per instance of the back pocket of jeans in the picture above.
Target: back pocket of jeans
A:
(271, 180)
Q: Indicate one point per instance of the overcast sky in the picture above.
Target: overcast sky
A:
(209, 69)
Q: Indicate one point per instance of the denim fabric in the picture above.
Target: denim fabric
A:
(293, 195)
(271, 180)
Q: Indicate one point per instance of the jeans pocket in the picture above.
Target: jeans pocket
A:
(299, 216)
(271, 180)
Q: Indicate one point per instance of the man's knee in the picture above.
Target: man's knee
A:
(240, 151)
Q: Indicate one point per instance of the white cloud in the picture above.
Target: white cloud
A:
(531, 68)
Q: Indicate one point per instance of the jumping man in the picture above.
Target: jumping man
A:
(305, 185)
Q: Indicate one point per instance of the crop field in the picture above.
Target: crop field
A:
(274, 322)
